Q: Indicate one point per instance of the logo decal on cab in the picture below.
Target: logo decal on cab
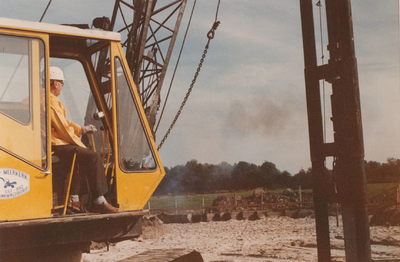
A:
(13, 183)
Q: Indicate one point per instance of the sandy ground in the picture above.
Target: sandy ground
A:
(267, 239)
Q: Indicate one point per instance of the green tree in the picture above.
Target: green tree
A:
(285, 179)
(373, 171)
(196, 177)
(303, 178)
(391, 170)
(246, 176)
(221, 176)
(270, 174)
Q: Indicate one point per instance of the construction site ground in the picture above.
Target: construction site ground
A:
(269, 238)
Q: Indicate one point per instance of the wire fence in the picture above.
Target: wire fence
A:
(388, 198)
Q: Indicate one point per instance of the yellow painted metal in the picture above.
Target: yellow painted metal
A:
(93, 144)
(22, 148)
(134, 189)
(32, 131)
(52, 29)
(69, 184)
(37, 202)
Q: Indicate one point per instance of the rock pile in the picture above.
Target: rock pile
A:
(224, 204)
(386, 217)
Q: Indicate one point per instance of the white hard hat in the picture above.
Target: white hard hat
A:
(56, 73)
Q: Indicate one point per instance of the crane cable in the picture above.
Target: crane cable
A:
(322, 61)
(210, 36)
(47, 7)
(176, 66)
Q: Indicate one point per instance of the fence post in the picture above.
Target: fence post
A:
(301, 197)
(148, 206)
(235, 202)
(262, 200)
(176, 206)
(202, 204)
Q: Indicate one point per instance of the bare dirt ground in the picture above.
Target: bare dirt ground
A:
(268, 239)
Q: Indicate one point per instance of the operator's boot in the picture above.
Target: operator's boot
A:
(104, 208)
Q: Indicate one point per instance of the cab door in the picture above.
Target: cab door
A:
(138, 166)
(25, 184)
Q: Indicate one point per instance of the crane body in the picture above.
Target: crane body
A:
(98, 90)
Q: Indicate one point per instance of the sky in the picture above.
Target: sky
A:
(248, 103)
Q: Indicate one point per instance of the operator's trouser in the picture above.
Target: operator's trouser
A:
(90, 168)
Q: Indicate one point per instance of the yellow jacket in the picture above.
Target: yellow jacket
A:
(63, 131)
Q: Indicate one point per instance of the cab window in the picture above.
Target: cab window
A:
(133, 147)
(22, 98)
(14, 75)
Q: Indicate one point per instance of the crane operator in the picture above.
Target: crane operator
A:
(65, 141)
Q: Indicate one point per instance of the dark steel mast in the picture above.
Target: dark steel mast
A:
(347, 186)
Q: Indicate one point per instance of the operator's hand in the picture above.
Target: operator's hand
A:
(89, 129)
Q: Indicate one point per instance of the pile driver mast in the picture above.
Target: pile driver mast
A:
(347, 186)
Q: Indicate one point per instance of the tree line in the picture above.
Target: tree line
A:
(201, 178)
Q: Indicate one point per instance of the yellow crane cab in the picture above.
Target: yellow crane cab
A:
(98, 90)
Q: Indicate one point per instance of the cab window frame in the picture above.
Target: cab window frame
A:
(118, 65)
(41, 81)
